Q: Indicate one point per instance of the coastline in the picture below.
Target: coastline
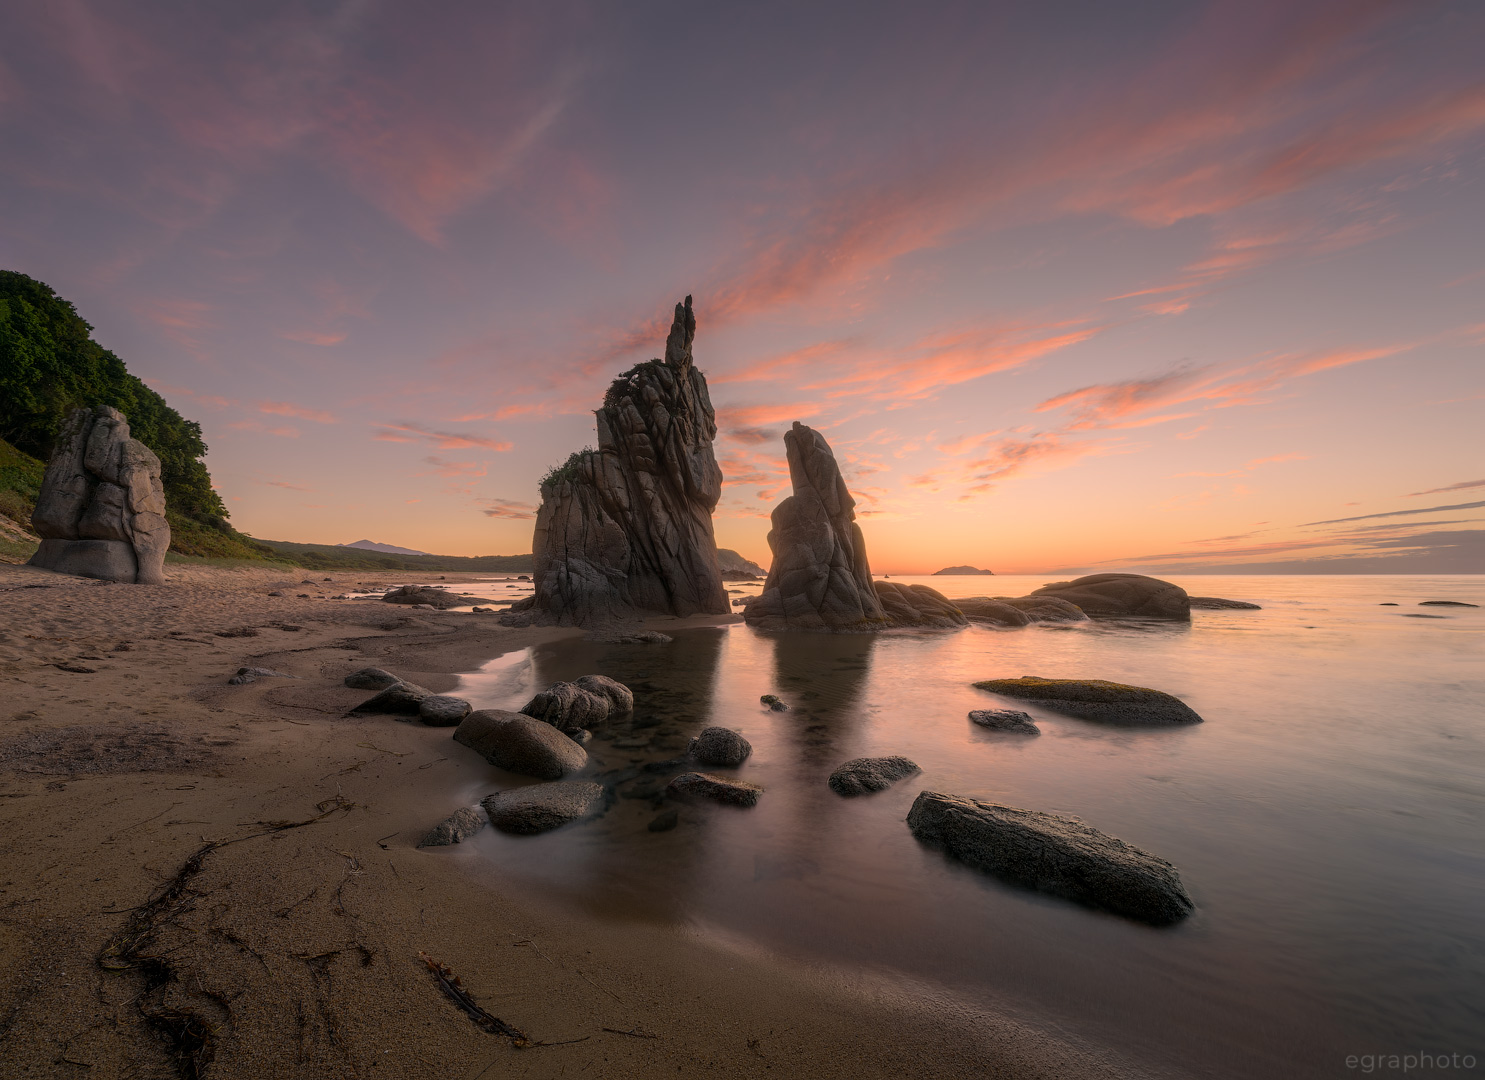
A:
(297, 948)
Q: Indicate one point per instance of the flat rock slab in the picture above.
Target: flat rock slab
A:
(400, 699)
(371, 678)
(441, 710)
(1006, 720)
(253, 674)
(720, 746)
(1054, 855)
(1096, 699)
(542, 807)
(1216, 603)
(862, 775)
(456, 828)
(1445, 603)
(519, 744)
(716, 788)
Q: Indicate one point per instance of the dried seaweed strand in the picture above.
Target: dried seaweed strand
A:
(449, 983)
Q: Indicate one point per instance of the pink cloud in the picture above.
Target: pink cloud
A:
(284, 408)
(443, 440)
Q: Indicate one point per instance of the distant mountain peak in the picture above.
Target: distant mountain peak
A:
(389, 549)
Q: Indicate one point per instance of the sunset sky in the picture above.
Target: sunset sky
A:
(1151, 286)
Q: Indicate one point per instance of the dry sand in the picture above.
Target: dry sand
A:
(199, 879)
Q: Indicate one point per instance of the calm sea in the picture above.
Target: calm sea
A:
(1328, 818)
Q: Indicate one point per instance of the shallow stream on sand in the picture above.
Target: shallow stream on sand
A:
(1328, 818)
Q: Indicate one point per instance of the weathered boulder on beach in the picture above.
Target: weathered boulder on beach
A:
(569, 707)
(456, 828)
(517, 743)
(253, 674)
(1096, 699)
(371, 678)
(716, 788)
(1054, 855)
(101, 509)
(1116, 595)
(401, 698)
(1005, 720)
(442, 710)
(625, 531)
(541, 807)
(720, 746)
(866, 774)
(820, 578)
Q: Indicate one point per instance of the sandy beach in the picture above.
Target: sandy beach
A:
(216, 880)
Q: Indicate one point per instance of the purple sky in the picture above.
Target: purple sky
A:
(1143, 285)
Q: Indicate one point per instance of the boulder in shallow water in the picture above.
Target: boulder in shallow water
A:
(371, 678)
(720, 746)
(1005, 720)
(1054, 855)
(1096, 699)
(1216, 603)
(918, 607)
(517, 743)
(1445, 603)
(456, 828)
(1116, 595)
(774, 702)
(620, 697)
(1043, 609)
(569, 707)
(542, 807)
(716, 788)
(442, 710)
(866, 774)
(984, 609)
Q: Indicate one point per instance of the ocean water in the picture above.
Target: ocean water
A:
(1328, 818)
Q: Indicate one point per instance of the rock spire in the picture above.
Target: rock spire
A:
(820, 578)
(101, 511)
(625, 531)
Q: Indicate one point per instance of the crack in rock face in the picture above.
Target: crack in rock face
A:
(625, 530)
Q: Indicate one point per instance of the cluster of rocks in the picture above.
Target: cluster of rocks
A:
(625, 530)
(820, 578)
(432, 596)
(397, 697)
(101, 509)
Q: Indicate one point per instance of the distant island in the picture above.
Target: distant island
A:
(388, 549)
(963, 571)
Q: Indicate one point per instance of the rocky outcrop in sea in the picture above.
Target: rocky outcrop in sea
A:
(101, 510)
(820, 578)
(625, 531)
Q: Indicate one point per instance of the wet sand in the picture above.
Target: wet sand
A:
(197, 872)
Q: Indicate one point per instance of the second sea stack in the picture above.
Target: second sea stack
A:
(625, 531)
(820, 578)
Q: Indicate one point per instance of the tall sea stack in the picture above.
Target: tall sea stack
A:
(820, 578)
(101, 510)
(625, 531)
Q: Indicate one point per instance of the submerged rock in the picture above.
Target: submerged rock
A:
(866, 774)
(716, 788)
(774, 702)
(371, 678)
(1096, 699)
(1115, 595)
(456, 828)
(517, 743)
(820, 578)
(542, 807)
(1054, 855)
(720, 746)
(101, 509)
(664, 822)
(569, 707)
(629, 637)
(1445, 603)
(1216, 603)
(625, 531)
(1005, 720)
(441, 710)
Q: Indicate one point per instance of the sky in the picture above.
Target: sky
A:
(1142, 286)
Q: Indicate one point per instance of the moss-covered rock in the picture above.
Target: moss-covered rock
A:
(1096, 699)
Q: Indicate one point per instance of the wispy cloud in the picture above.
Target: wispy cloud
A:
(1398, 513)
(1464, 485)
(408, 432)
(285, 408)
(507, 508)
